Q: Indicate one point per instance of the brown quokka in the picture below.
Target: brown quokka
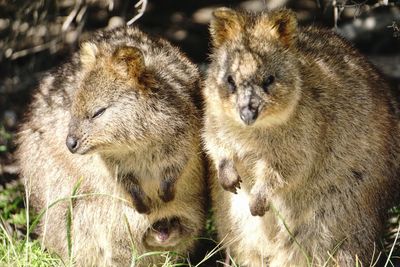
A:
(305, 132)
(125, 109)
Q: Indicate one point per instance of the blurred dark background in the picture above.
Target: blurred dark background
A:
(38, 35)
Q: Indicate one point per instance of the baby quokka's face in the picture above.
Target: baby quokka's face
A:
(110, 103)
(165, 233)
(254, 66)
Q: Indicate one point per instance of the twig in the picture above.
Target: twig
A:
(364, 3)
(335, 12)
(354, 4)
(142, 4)
(34, 49)
(376, 5)
(72, 15)
(394, 245)
(81, 14)
(227, 257)
(339, 7)
(110, 5)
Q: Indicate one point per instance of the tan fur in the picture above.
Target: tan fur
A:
(147, 139)
(281, 25)
(88, 54)
(132, 58)
(226, 28)
(313, 155)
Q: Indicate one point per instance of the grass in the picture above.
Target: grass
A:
(19, 248)
(22, 252)
(16, 248)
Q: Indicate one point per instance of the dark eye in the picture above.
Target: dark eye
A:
(267, 82)
(98, 113)
(231, 84)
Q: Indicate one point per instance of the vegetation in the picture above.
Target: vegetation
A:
(16, 246)
(19, 246)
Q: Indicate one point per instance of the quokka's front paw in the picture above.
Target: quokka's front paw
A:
(143, 208)
(228, 176)
(140, 200)
(167, 191)
(259, 204)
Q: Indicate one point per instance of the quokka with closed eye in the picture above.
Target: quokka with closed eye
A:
(119, 123)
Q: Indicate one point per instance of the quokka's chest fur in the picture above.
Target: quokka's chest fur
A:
(289, 150)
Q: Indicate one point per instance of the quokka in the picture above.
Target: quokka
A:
(304, 135)
(118, 124)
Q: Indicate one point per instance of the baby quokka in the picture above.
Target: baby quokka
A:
(304, 135)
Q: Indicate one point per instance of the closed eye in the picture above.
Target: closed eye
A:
(231, 84)
(98, 113)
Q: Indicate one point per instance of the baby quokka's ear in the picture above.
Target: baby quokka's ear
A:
(130, 58)
(280, 24)
(225, 25)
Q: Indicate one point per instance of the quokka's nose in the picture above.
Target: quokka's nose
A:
(248, 115)
(72, 143)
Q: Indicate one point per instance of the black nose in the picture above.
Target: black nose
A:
(248, 115)
(72, 143)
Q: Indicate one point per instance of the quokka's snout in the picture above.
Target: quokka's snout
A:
(248, 105)
(72, 143)
(77, 140)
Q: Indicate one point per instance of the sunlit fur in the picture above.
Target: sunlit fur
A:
(151, 123)
(323, 154)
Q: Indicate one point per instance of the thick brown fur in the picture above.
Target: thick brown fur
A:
(127, 101)
(305, 131)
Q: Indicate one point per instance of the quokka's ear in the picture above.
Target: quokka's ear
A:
(225, 25)
(132, 58)
(280, 24)
(88, 54)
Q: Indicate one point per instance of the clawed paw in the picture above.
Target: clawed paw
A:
(166, 196)
(167, 190)
(142, 208)
(258, 206)
(231, 185)
(140, 200)
(228, 176)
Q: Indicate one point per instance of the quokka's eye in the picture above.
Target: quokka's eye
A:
(98, 113)
(267, 82)
(231, 84)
